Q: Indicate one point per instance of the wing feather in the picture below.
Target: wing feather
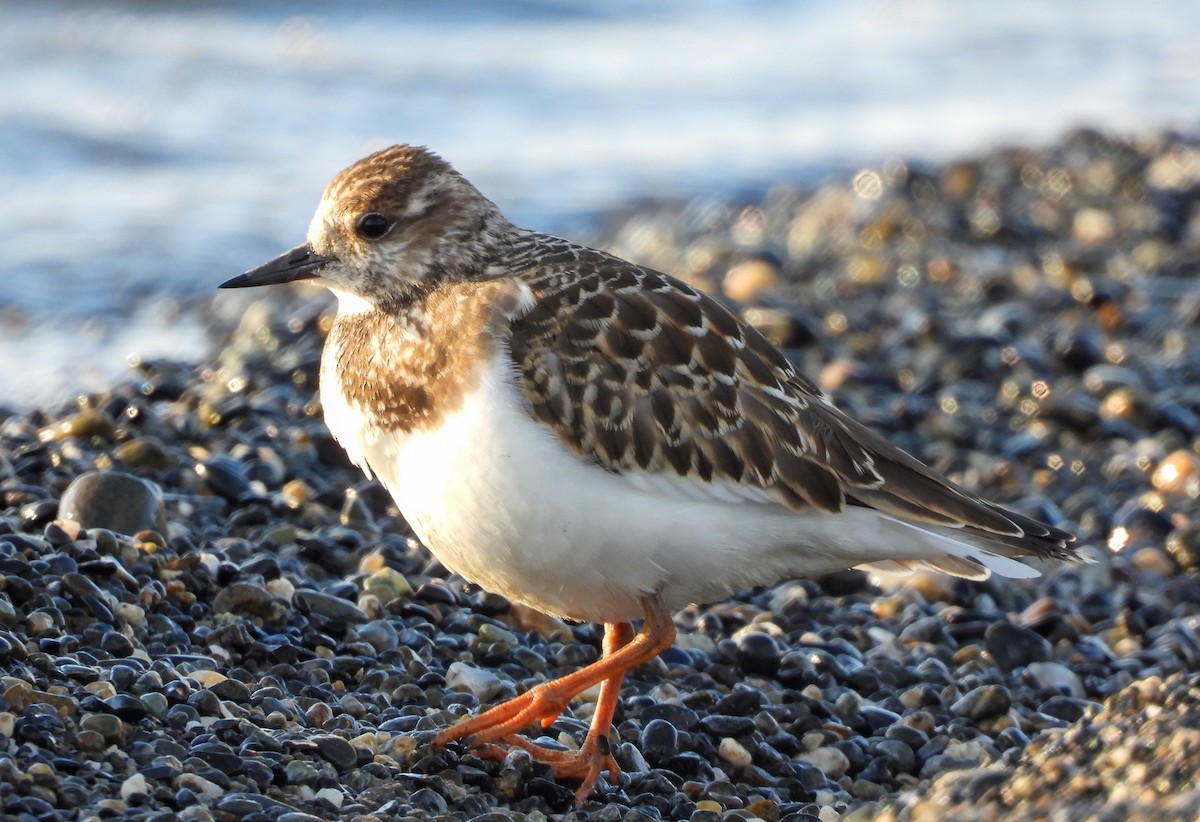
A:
(646, 376)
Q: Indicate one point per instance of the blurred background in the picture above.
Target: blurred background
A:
(150, 151)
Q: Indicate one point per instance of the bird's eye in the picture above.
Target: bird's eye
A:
(373, 226)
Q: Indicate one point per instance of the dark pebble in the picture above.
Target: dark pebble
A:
(1012, 646)
(126, 707)
(224, 477)
(899, 756)
(336, 751)
(758, 653)
(659, 739)
(231, 689)
(720, 725)
(116, 644)
(741, 702)
(222, 757)
(680, 716)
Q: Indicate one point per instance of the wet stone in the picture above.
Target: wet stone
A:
(129, 708)
(232, 690)
(219, 755)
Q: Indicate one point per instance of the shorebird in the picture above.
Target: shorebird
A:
(596, 439)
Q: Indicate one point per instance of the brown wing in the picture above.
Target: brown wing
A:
(640, 372)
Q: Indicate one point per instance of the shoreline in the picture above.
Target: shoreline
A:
(269, 644)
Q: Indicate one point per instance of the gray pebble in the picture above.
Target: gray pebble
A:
(330, 607)
(113, 500)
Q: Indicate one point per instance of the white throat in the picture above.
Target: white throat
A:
(349, 303)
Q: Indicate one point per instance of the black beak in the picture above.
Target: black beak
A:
(301, 263)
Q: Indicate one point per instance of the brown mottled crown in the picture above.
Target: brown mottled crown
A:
(388, 176)
(642, 373)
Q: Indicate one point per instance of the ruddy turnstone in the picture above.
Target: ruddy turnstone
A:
(597, 439)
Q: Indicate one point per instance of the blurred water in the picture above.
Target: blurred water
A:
(151, 150)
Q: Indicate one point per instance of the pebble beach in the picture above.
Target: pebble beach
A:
(206, 613)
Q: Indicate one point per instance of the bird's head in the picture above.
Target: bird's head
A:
(388, 227)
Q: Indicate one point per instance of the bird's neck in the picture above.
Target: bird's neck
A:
(404, 367)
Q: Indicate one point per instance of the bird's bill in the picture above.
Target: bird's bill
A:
(301, 263)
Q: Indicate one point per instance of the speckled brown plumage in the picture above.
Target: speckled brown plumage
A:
(640, 372)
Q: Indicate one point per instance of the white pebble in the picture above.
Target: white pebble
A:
(734, 753)
(482, 684)
(1055, 675)
(331, 795)
(134, 785)
(829, 761)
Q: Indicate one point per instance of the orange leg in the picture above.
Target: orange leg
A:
(546, 701)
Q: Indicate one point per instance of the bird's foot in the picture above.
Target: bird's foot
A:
(541, 704)
(584, 765)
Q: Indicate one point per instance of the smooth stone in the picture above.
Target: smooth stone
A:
(249, 598)
(336, 751)
(830, 761)
(129, 708)
(225, 477)
(156, 704)
(483, 685)
(135, 784)
(143, 452)
(1055, 675)
(734, 753)
(721, 725)
(299, 772)
(107, 725)
(494, 633)
(899, 756)
(219, 755)
(758, 653)
(198, 784)
(1012, 646)
(682, 717)
(232, 690)
(659, 739)
(114, 500)
(330, 607)
(984, 702)
(1064, 708)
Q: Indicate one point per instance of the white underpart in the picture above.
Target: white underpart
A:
(349, 302)
(498, 499)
